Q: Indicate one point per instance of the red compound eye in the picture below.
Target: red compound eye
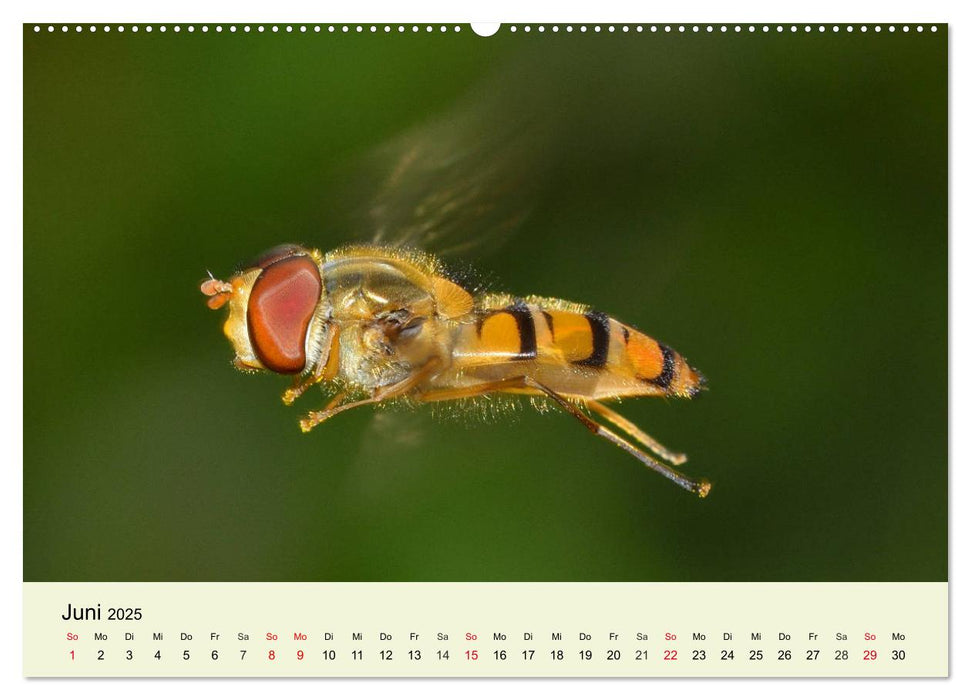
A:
(281, 304)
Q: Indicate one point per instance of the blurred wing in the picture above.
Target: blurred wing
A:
(547, 118)
(391, 457)
(463, 181)
(449, 187)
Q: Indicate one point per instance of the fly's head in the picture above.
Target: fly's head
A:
(276, 309)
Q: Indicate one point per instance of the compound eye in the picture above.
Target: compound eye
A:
(281, 305)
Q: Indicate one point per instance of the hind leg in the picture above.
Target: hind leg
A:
(628, 427)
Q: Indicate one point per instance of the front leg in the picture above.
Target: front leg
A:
(324, 370)
(299, 385)
(383, 393)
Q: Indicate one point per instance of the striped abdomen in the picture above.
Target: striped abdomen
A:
(572, 350)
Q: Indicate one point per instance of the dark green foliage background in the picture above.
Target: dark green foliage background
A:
(774, 206)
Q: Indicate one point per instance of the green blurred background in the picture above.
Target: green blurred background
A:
(772, 205)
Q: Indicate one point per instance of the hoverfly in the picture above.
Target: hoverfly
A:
(387, 323)
(383, 321)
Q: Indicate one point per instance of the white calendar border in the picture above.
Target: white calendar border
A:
(507, 10)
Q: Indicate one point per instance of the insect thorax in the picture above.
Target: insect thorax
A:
(363, 366)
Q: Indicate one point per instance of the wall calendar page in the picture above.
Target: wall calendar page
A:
(515, 350)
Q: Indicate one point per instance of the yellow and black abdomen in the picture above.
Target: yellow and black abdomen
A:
(573, 350)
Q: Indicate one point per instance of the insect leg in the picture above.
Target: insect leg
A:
(325, 369)
(299, 385)
(628, 427)
(315, 418)
(700, 487)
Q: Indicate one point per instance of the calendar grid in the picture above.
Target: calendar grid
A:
(485, 629)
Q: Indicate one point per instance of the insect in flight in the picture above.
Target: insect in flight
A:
(384, 321)
(388, 323)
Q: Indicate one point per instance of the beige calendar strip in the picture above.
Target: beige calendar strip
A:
(485, 629)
